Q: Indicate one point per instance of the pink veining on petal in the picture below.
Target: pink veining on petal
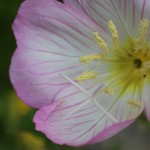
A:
(91, 124)
(48, 35)
(133, 12)
(108, 132)
(125, 8)
(143, 8)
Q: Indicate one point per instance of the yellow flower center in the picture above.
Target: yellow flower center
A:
(127, 63)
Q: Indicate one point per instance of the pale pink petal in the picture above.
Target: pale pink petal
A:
(143, 7)
(73, 4)
(146, 96)
(75, 120)
(110, 131)
(123, 13)
(50, 39)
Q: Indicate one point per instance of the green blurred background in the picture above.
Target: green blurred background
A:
(16, 128)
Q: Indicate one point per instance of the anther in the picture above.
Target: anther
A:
(100, 42)
(145, 69)
(88, 58)
(114, 33)
(142, 31)
(133, 108)
(109, 91)
(134, 103)
(86, 75)
(143, 26)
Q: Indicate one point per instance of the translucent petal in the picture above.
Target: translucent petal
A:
(124, 13)
(50, 39)
(75, 119)
(146, 97)
(73, 4)
(143, 7)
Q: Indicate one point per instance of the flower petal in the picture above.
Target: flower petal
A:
(143, 8)
(146, 97)
(73, 4)
(74, 119)
(50, 39)
(124, 14)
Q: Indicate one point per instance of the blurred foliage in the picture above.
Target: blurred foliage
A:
(16, 127)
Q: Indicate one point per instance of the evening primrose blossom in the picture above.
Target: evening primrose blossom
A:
(85, 64)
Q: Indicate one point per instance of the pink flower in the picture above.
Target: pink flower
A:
(85, 64)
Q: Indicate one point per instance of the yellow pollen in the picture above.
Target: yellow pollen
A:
(134, 103)
(109, 91)
(145, 69)
(133, 108)
(88, 58)
(100, 42)
(143, 26)
(142, 31)
(86, 75)
(114, 33)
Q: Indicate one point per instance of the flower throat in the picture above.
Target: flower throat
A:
(132, 55)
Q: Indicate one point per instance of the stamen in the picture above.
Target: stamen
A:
(90, 99)
(86, 75)
(143, 26)
(134, 103)
(88, 58)
(142, 30)
(109, 91)
(145, 69)
(114, 33)
(100, 42)
(133, 108)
